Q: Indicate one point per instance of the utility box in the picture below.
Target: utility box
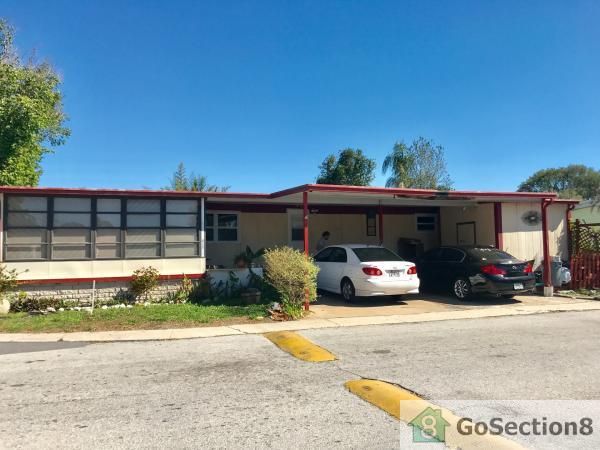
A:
(560, 274)
(410, 249)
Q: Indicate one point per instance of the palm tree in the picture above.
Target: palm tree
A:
(399, 162)
(419, 165)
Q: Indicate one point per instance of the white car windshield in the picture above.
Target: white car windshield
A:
(367, 254)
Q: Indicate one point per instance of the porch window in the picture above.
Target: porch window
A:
(181, 234)
(142, 243)
(222, 227)
(109, 236)
(71, 228)
(79, 228)
(143, 233)
(26, 236)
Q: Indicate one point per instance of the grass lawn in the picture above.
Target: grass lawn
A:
(136, 318)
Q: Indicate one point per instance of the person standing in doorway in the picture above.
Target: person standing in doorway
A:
(323, 241)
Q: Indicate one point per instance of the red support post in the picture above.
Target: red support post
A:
(546, 248)
(305, 219)
(570, 208)
(306, 247)
(380, 218)
(498, 225)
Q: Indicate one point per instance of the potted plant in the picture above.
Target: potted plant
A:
(246, 259)
(8, 281)
(251, 294)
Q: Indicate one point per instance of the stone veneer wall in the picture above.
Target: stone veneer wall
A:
(82, 292)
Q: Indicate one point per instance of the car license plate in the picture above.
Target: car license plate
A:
(518, 286)
(395, 273)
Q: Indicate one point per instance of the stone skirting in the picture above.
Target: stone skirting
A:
(82, 292)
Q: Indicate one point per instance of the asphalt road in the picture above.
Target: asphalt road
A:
(243, 392)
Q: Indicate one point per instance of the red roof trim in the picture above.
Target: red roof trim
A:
(409, 192)
(126, 192)
(107, 279)
(418, 193)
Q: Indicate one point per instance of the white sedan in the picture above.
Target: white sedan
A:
(358, 270)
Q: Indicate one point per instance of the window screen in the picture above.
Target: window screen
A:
(26, 236)
(76, 228)
(142, 243)
(72, 212)
(108, 213)
(23, 244)
(71, 244)
(426, 223)
(108, 243)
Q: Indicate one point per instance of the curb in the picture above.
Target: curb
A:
(306, 324)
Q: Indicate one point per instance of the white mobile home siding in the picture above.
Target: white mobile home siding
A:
(483, 216)
(525, 241)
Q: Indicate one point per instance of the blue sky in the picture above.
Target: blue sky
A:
(254, 94)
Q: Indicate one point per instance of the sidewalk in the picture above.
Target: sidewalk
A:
(563, 305)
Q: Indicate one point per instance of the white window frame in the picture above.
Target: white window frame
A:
(215, 227)
(435, 223)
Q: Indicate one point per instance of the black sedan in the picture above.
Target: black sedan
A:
(466, 270)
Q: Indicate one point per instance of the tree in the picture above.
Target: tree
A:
(351, 167)
(31, 114)
(575, 180)
(420, 165)
(181, 181)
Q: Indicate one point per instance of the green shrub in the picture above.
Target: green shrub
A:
(183, 293)
(8, 280)
(143, 281)
(293, 275)
(202, 290)
(22, 303)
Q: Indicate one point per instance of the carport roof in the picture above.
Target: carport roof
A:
(321, 193)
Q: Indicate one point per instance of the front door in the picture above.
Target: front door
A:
(465, 233)
(296, 228)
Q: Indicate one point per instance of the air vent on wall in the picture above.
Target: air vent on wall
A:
(531, 218)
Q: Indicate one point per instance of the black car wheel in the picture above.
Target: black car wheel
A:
(348, 292)
(461, 288)
(508, 296)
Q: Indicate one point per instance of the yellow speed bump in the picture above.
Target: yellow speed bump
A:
(299, 346)
(410, 408)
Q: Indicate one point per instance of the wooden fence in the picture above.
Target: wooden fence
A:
(585, 271)
(584, 241)
(584, 237)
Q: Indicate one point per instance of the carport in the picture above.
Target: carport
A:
(531, 226)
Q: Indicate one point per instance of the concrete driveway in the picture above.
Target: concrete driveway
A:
(330, 306)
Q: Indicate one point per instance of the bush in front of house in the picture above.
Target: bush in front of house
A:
(8, 281)
(23, 303)
(143, 281)
(292, 274)
(183, 292)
